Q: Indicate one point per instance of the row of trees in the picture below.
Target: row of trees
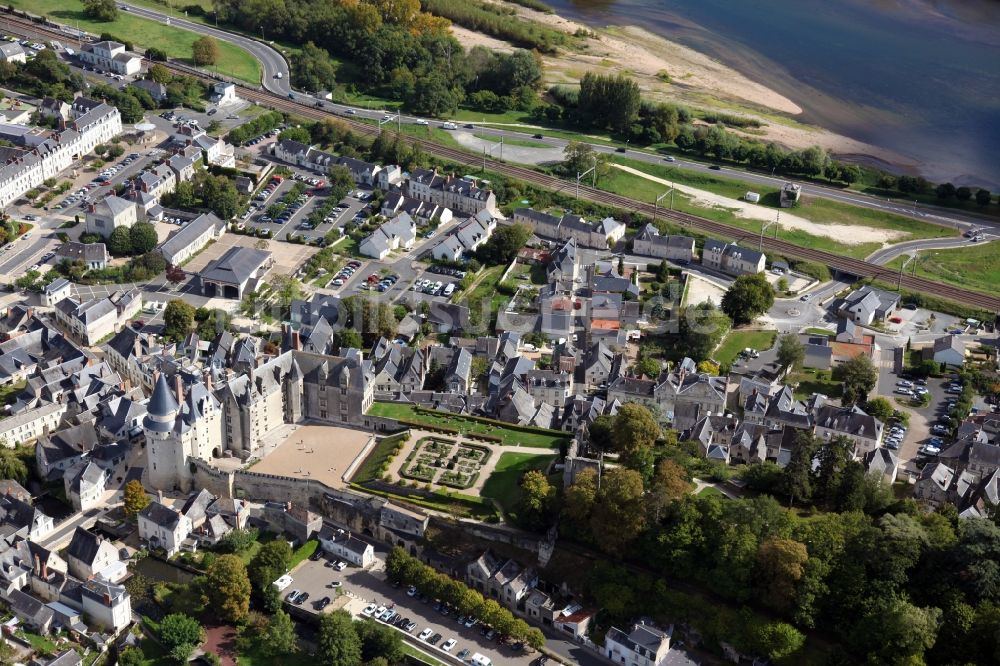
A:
(402, 567)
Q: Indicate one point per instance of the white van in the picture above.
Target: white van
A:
(449, 289)
(449, 126)
(480, 660)
(282, 583)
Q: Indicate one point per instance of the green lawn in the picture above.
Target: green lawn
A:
(708, 491)
(382, 452)
(975, 266)
(737, 341)
(511, 436)
(417, 654)
(818, 331)
(302, 553)
(143, 33)
(813, 208)
(815, 381)
(504, 484)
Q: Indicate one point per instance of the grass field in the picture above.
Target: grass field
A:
(975, 266)
(709, 491)
(818, 331)
(504, 484)
(737, 341)
(815, 381)
(812, 208)
(233, 61)
(382, 452)
(470, 424)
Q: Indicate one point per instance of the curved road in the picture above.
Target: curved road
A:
(887, 254)
(271, 61)
(274, 63)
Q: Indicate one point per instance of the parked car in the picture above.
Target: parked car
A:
(425, 634)
(449, 644)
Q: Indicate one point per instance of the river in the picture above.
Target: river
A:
(918, 77)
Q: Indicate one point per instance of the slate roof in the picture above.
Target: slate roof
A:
(84, 546)
(161, 515)
(87, 252)
(189, 233)
(236, 266)
(162, 402)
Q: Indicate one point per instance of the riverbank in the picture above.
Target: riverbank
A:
(668, 71)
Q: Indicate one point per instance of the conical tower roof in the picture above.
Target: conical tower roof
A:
(162, 402)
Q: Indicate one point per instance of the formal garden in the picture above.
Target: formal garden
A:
(445, 462)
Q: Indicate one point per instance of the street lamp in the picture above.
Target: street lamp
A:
(902, 267)
(581, 175)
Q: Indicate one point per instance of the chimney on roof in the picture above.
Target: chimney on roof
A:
(38, 565)
(208, 379)
(296, 341)
(179, 388)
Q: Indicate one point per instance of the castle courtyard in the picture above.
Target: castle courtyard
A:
(318, 452)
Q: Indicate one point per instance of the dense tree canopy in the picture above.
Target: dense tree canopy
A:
(749, 297)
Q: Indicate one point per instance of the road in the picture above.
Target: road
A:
(887, 254)
(271, 61)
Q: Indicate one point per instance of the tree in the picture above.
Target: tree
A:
(635, 428)
(178, 320)
(619, 514)
(780, 566)
(338, 643)
(180, 635)
(229, 588)
(120, 242)
(895, 631)
(12, 466)
(278, 638)
(648, 367)
(670, 483)
(340, 181)
(880, 408)
(378, 640)
(313, 70)
(101, 10)
(536, 498)
(131, 656)
(205, 51)
(797, 479)
(748, 297)
(504, 244)
(143, 237)
(858, 376)
(347, 338)
(776, 640)
(983, 197)
(287, 289)
(579, 499)
(791, 351)
(134, 497)
(601, 432)
(273, 557)
(160, 74)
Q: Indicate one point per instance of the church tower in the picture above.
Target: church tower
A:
(164, 448)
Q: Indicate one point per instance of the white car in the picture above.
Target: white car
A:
(425, 634)
(340, 566)
(422, 122)
(368, 610)
(449, 644)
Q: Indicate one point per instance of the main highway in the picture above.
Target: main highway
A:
(307, 107)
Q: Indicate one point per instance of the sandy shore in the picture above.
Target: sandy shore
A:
(694, 79)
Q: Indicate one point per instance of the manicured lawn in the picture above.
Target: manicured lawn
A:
(818, 331)
(455, 503)
(737, 341)
(143, 33)
(302, 553)
(383, 451)
(976, 266)
(813, 381)
(708, 491)
(504, 484)
(419, 655)
(469, 424)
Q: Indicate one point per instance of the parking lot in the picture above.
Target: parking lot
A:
(362, 588)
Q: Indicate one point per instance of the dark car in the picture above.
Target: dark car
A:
(322, 603)
(620, 149)
(537, 136)
(469, 126)
(301, 599)
(433, 640)
(315, 557)
(715, 167)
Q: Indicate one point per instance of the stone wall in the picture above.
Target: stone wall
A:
(215, 481)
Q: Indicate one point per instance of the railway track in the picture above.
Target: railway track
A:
(846, 265)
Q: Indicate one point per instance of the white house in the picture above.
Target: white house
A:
(224, 93)
(89, 554)
(12, 52)
(85, 485)
(398, 233)
(106, 605)
(344, 545)
(56, 291)
(645, 645)
(950, 350)
(108, 214)
(112, 57)
(163, 527)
